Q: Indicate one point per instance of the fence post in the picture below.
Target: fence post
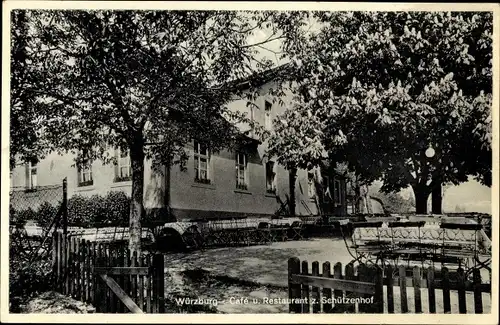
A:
(417, 278)
(462, 307)
(379, 290)
(446, 290)
(293, 288)
(305, 288)
(431, 290)
(478, 299)
(327, 292)
(65, 206)
(316, 306)
(402, 288)
(349, 275)
(337, 274)
(149, 308)
(390, 288)
(60, 261)
(159, 282)
(54, 258)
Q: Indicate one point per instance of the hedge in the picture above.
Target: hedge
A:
(112, 208)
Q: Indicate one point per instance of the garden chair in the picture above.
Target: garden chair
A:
(263, 233)
(460, 243)
(367, 241)
(296, 230)
(406, 239)
(215, 233)
(279, 232)
(245, 232)
(284, 231)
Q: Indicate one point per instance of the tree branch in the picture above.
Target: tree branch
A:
(270, 39)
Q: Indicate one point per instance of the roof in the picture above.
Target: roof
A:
(263, 77)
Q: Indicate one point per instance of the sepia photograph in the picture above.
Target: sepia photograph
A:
(221, 161)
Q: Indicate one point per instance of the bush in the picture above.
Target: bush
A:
(118, 207)
(20, 217)
(26, 279)
(113, 209)
(80, 211)
(46, 214)
(29, 279)
(97, 209)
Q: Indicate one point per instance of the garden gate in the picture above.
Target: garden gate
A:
(108, 276)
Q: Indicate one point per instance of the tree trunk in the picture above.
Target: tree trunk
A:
(292, 177)
(137, 197)
(421, 198)
(437, 198)
(357, 198)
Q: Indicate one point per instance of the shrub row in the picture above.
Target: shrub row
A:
(112, 208)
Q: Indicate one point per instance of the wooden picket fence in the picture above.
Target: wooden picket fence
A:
(107, 276)
(331, 293)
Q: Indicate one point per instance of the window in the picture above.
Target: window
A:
(337, 198)
(270, 177)
(123, 170)
(31, 175)
(268, 120)
(201, 163)
(326, 189)
(85, 174)
(311, 190)
(241, 171)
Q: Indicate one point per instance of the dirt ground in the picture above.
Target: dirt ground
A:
(56, 303)
(254, 279)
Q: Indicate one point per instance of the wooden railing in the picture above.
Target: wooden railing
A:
(328, 292)
(108, 276)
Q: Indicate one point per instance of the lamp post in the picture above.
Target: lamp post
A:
(437, 197)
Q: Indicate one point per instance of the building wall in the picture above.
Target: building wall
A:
(54, 168)
(192, 200)
(178, 189)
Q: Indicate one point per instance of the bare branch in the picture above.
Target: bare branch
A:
(268, 40)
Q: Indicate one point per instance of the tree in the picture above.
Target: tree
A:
(147, 82)
(396, 83)
(25, 113)
(295, 145)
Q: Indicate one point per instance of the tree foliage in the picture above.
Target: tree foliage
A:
(146, 82)
(25, 111)
(393, 84)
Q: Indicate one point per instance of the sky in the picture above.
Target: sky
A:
(272, 50)
(470, 196)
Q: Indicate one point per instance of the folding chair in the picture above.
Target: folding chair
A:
(284, 231)
(367, 241)
(216, 233)
(264, 232)
(406, 240)
(296, 230)
(459, 243)
(248, 232)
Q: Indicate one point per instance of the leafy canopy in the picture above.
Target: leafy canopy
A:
(145, 79)
(379, 88)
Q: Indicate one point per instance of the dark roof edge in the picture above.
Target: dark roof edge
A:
(263, 77)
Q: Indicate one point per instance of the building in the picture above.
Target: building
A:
(214, 185)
